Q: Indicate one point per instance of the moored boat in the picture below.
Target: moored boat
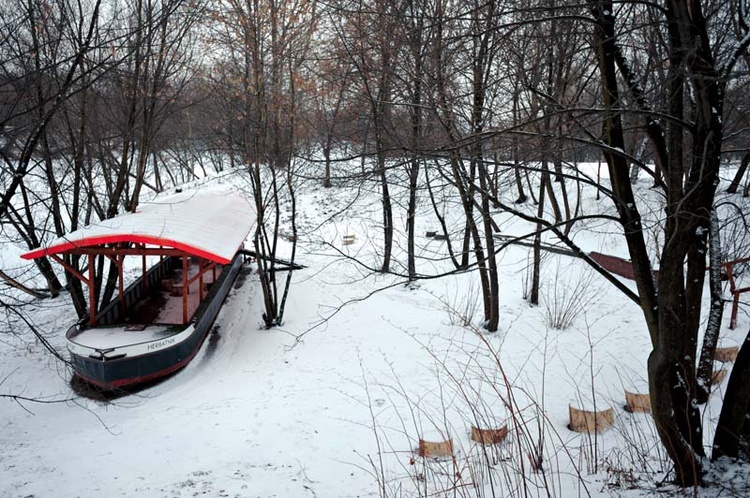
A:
(129, 352)
(157, 324)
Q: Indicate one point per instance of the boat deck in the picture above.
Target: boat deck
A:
(155, 318)
(113, 336)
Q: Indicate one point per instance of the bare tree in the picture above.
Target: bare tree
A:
(268, 41)
(58, 37)
(366, 33)
(688, 144)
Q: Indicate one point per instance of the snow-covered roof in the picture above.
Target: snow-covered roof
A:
(209, 225)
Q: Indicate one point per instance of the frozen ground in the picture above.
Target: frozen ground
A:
(332, 403)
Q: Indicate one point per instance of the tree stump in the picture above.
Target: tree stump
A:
(435, 449)
(589, 421)
(637, 403)
(489, 436)
(726, 355)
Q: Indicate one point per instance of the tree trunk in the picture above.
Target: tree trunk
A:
(416, 144)
(740, 173)
(411, 213)
(671, 367)
(387, 214)
(493, 313)
(547, 181)
(327, 159)
(537, 262)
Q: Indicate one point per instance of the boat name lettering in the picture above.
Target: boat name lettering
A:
(161, 344)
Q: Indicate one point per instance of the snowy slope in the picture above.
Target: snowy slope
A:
(362, 366)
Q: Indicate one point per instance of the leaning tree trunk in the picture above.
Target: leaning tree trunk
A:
(734, 185)
(731, 438)
(716, 310)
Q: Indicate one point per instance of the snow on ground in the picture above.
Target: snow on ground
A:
(332, 403)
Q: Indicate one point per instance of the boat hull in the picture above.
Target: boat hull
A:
(131, 364)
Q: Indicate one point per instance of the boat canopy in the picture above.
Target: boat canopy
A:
(211, 225)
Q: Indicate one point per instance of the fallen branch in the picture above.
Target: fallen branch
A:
(287, 265)
(18, 285)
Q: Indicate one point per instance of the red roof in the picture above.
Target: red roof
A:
(209, 225)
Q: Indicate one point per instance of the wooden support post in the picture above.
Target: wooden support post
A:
(735, 308)
(92, 293)
(144, 279)
(734, 290)
(120, 284)
(200, 279)
(184, 289)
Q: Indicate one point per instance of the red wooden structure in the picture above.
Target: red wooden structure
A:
(618, 266)
(205, 227)
(733, 289)
(117, 256)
